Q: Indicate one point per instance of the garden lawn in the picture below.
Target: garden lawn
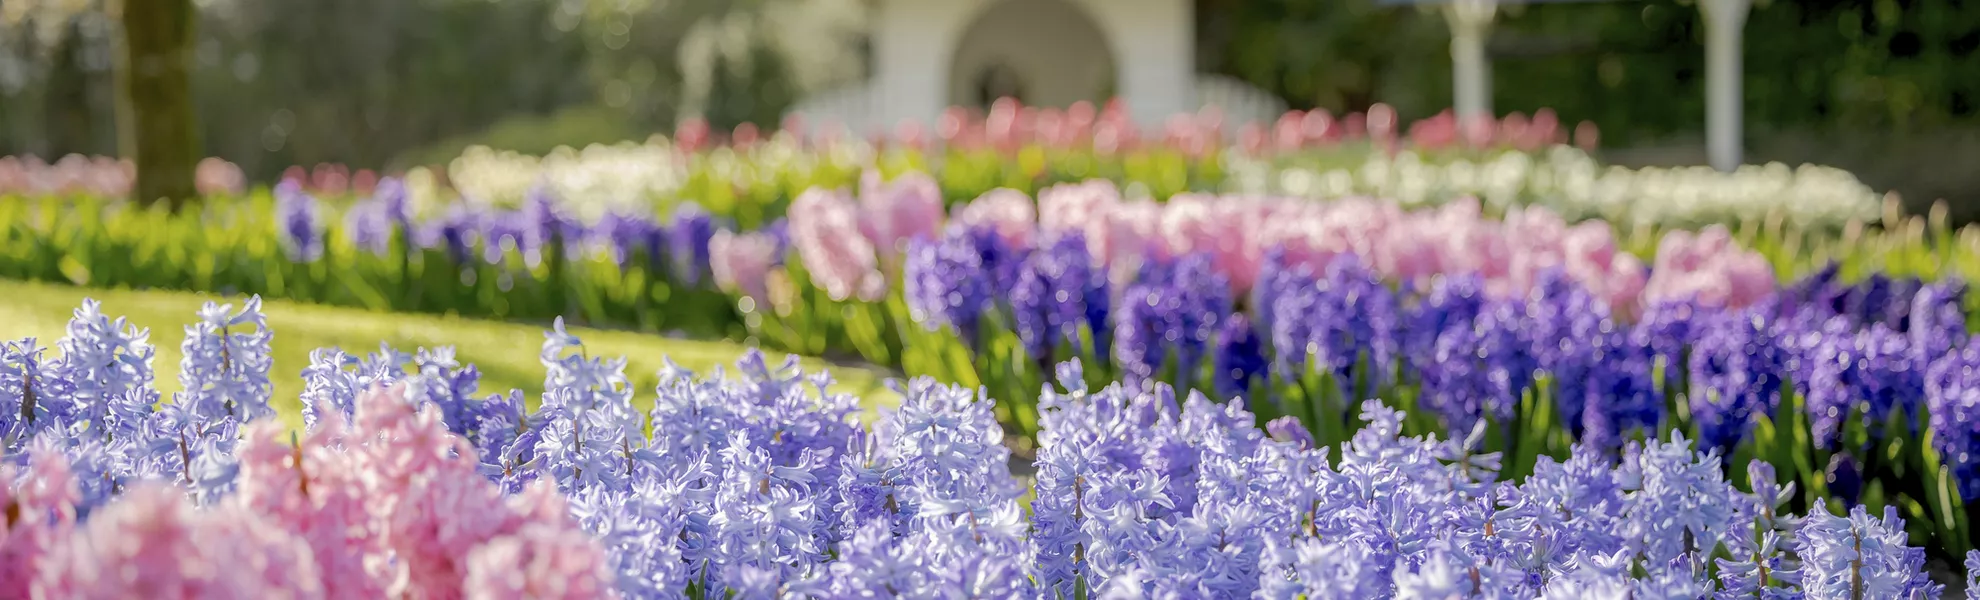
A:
(505, 353)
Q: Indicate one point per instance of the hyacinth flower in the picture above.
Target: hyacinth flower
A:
(947, 283)
(1860, 556)
(1735, 374)
(687, 243)
(1239, 359)
(456, 232)
(767, 484)
(1007, 212)
(844, 265)
(1172, 305)
(1049, 298)
(592, 434)
(1953, 403)
(741, 263)
(374, 222)
(108, 365)
(894, 212)
(226, 363)
(1973, 575)
(627, 238)
(296, 215)
(33, 395)
(1001, 259)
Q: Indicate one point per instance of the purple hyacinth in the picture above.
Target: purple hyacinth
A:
(225, 364)
(373, 222)
(1049, 299)
(296, 211)
(1860, 556)
(1952, 397)
(456, 233)
(33, 395)
(1619, 394)
(370, 228)
(1570, 331)
(946, 284)
(1336, 321)
(108, 365)
(625, 236)
(1240, 357)
(1478, 367)
(687, 243)
(1205, 300)
(1736, 372)
(394, 200)
(1166, 307)
(1938, 320)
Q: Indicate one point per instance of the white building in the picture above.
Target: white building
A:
(932, 54)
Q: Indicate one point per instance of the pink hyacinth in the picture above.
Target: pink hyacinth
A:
(1710, 268)
(893, 212)
(39, 515)
(742, 262)
(1590, 256)
(153, 543)
(431, 505)
(822, 226)
(547, 558)
(316, 489)
(1008, 212)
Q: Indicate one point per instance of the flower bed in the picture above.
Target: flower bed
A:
(408, 483)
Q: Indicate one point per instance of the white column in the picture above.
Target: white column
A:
(1154, 55)
(1724, 22)
(1471, 70)
(913, 44)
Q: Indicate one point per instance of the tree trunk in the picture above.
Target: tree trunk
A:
(154, 105)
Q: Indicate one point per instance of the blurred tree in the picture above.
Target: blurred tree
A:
(1341, 55)
(155, 102)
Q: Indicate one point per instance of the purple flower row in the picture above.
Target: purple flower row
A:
(374, 223)
(1873, 353)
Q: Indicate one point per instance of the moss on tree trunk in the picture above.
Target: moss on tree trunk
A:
(154, 101)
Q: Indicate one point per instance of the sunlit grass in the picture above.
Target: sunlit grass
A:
(506, 353)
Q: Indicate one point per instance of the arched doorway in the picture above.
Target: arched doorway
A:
(1043, 52)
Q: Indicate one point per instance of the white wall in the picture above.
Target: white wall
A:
(1157, 42)
(918, 44)
(1057, 50)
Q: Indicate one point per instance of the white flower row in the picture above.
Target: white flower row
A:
(1575, 184)
(589, 183)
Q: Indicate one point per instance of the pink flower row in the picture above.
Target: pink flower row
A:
(1009, 125)
(1238, 231)
(103, 176)
(1297, 130)
(387, 507)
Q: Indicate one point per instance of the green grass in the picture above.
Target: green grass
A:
(506, 353)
